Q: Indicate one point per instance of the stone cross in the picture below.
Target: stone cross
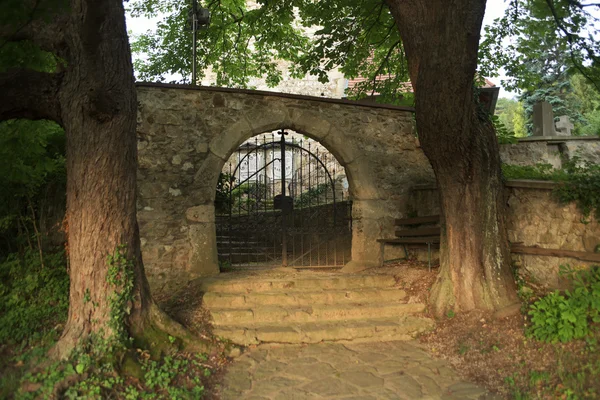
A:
(543, 119)
(564, 126)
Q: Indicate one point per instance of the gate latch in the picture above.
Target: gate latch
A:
(284, 203)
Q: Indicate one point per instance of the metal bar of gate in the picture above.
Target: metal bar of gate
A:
(283, 210)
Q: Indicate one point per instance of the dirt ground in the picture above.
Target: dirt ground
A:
(498, 354)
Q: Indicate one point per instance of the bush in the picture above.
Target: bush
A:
(504, 135)
(582, 186)
(570, 315)
(311, 196)
(33, 299)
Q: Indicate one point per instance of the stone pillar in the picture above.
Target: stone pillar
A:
(371, 220)
(203, 240)
(543, 119)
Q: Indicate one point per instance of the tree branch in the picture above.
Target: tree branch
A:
(44, 27)
(571, 38)
(581, 5)
(380, 68)
(30, 94)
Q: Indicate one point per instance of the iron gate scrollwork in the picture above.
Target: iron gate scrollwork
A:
(279, 202)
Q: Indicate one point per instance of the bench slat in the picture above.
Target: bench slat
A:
(409, 240)
(418, 220)
(418, 232)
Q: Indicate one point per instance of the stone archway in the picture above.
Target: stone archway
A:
(186, 135)
(255, 230)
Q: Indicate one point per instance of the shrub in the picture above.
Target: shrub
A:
(570, 315)
(582, 186)
(33, 298)
(311, 196)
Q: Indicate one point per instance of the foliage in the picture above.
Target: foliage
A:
(538, 39)
(511, 114)
(100, 366)
(222, 194)
(32, 299)
(582, 186)
(249, 196)
(278, 40)
(358, 36)
(91, 375)
(311, 196)
(504, 135)
(541, 44)
(120, 277)
(26, 54)
(242, 41)
(587, 98)
(540, 171)
(563, 317)
(557, 94)
(580, 181)
(31, 159)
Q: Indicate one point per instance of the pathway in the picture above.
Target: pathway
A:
(358, 371)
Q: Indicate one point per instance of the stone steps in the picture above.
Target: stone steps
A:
(328, 312)
(310, 307)
(301, 298)
(341, 282)
(366, 330)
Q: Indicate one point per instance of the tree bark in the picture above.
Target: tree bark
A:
(94, 99)
(441, 40)
(98, 102)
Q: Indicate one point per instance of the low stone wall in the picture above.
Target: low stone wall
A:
(537, 219)
(534, 218)
(551, 150)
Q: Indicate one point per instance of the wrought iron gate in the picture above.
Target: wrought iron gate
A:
(281, 203)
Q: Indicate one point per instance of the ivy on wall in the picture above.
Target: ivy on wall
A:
(579, 182)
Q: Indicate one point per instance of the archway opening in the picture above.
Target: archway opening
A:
(282, 199)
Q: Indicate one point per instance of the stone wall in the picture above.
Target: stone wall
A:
(550, 150)
(185, 135)
(534, 218)
(537, 219)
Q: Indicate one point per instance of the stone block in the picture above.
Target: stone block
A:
(229, 138)
(202, 213)
(310, 122)
(203, 253)
(205, 180)
(273, 116)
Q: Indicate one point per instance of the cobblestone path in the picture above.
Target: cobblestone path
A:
(363, 371)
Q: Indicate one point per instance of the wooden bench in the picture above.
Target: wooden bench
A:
(412, 231)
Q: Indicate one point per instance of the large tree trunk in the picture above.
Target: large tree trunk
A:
(94, 98)
(98, 102)
(441, 40)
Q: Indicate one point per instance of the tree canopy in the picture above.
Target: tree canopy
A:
(543, 46)
(245, 40)
(536, 41)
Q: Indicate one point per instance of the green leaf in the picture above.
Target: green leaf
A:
(79, 368)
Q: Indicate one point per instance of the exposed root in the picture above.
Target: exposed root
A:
(162, 335)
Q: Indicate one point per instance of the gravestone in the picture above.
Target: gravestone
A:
(543, 119)
(564, 127)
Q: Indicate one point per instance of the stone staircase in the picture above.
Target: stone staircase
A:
(311, 308)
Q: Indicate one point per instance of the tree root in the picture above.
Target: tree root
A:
(162, 335)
